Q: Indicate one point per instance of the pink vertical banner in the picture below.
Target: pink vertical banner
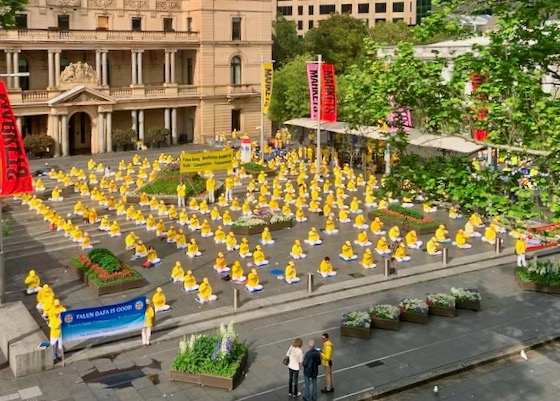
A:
(400, 117)
(313, 80)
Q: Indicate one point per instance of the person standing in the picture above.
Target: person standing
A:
(311, 362)
(211, 188)
(148, 323)
(296, 357)
(520, 250)
(229, 188)
(55, 335)
(327, 362)
(181, 193)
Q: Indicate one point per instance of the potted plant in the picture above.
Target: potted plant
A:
(156, 135)
(466, 298)
(254, 224)
(385, 317)
(540, 275)
(441, 304)
(38, 144)
(356, 324)
(414, 311)
(123, 137)
(210, 360)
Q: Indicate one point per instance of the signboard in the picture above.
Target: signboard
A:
(266, 86)
(212, 160)
(109, 320)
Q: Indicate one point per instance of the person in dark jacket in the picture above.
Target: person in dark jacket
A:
(311, 363)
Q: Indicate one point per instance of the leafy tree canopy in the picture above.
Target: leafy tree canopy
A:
(286, 42)
(9, 9)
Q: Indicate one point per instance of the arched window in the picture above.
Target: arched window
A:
(23, 66)
(235, 69)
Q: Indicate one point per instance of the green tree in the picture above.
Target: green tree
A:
(9, 10)
(286, 42)
(391, 33)
(340, 39)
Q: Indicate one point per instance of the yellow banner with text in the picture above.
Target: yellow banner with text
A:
(212, 160)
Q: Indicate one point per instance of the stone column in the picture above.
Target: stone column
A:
(51, 69)
(55, 135)
(19, 124)
(174, 132)
(101, 133)
(167, 118)
(98, 66)
(16, 68)
(104, 67)
(167, 58)
(140, 68)
(64, 132)
(141, 124)
(172, 66)
(8, 67)
(134, 67)
(109, 132)
(57, 68)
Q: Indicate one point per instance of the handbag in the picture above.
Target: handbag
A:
(286, 360)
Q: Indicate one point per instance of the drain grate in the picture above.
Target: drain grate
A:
(373, 364)
(356, 275)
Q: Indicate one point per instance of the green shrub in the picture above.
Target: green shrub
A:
(167, 181)
(105, 259)
(254, 167)
(406, 211)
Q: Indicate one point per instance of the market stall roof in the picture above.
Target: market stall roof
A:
(338, 127)
(452, 143)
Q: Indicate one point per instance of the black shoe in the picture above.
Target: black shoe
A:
(331, 390)
(324, 390)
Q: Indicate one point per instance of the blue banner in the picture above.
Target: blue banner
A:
(81, 324)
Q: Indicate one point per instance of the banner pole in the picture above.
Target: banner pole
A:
(319, 63)
(2, 267)
(262, 114)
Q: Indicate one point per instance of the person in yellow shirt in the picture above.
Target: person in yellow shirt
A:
(290, 274)
(367, 259)
(382, 247)
(45, 296)
(231, 242)
(33, 283)
(432, 247)
(360, 222)
(258, 257)
(330, 228)
(326, 269)
(220, 264)
(412, 240)
(226, 218)
(347, 253)
(520, 250)
(152, 258)
(490, 235)
(476, 220)
(177, 273)
(159, 301)
(253, 284)
(211, 188)
(237, 273)
(130, 240)
(395, 234)
(206, 230)
(205, 292)
(244, 249)
(441, 234)
(297, 251)
(313, 237)
(228, 186)
(55, 335)
(461, 240)
(189, 282)
(376, 227)
(343, 216)
(181, 193)
(148, 323)
(266, 237)
(362, 239)
(192, 249)
(400, 253)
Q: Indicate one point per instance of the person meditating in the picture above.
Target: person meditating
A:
(313, 238)
(367, 259)
(412, 240)
(432, 247)
(343, 216)
(33, 282)
(382, 247)
(192, 249)
(347, 253)
(206, 230)
(490, 235)
(395, 234)
(237, 273)
(470, 230)
(219, 236)
(189, 282)
(290, 274)
(130, 241)
(326, 269)
(360, 222)
(428, 208)
(205, 292)
(330, 227)
(220, 264)
(461, 240)
(454, 213)
(362, 239)
(171, 236)
(476, 220)
(152, 258)
(441, 234)
(181, 240)
(158, 301)
(253, 281)
(231, 242)
(300, 216)
(376, 227)
(400, 253)
(355, 206)
(114, 229)
(244, 250)
(258, 257)
(177, 273)
(86, 242)
(266, 237)
(297, 251)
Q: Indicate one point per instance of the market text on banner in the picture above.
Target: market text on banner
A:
(213, 160)
(109, 320)
(328, 93)
(16, 176)
(266, 87)
(313, 79)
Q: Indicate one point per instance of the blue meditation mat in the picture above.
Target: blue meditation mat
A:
(277, 272)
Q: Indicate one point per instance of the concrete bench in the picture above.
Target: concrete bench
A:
(20, 336)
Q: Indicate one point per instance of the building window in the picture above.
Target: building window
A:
(397, 19)
(190, 71)
(136, 23)
(300, 25)
(102, 22)
(300, 10)
(327, 9)
(398, 7)
(311, 10)
(189, 24)
(21, 21)
(346, 9)
(64, 22)
(379, 20)
(168, 24)
(285, 10)
(235, 120)
(380, 7)
(23, 66)
(310, 24)
(235, 69)
(236, 28)
(363, 8)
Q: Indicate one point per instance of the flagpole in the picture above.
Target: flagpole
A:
(319, 63)
(262, 107)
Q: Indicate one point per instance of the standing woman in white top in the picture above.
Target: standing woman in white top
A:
(296, 358)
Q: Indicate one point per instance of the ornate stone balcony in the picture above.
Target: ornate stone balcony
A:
(234, 91)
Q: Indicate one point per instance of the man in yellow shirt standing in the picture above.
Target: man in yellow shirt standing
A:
(148, 324)
(327, 362)
(211, 188)
(55, 335)
(520, 250)
(229, 188)
(181, 193)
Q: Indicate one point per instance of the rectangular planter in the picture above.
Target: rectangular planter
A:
(466, 304)
(537, 287)
(226, 383)
(115, 288)
(260, 229)
(443, 311)
(414, 317)
(79, 273)
(357, 332)
(385, 324)
(400, 222)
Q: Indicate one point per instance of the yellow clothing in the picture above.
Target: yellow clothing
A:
(432, 246)
(205, 290)
(158, 299)
(32, 281)
(325, 267)
(411, 238)
(520, 246)
(376, 226)
(326, 353)
(400, 252)
(252, 279)
(54, 325)
(441, 234)
(258, 256)
(290, 272)
(490, 234)
(461, 238)
(382, 245)
(177, 271)
(347, 251)
(149, 316)
(297, 249)
(181, 190)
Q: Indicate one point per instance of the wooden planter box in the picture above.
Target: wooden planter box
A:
(81, 276)
(442, 311)
(466, 304)
(414, 317)
(428, 228)
(385, 324)
(226, 383)
(537, 287)
(260, 229)
(357, 332)
(111, 288)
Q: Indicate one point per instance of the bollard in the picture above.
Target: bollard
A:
(498, 245)
(387, 262)
(309, 282)
(235, 298)
(444, 256)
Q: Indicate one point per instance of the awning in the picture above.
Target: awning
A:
(452, 143)
(338, 127)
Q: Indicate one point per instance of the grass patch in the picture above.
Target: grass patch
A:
(167, 180)
(254, 167)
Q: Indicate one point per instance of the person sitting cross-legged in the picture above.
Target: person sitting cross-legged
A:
(461, 240)
(253, 281)
(205, 292)
(158, 301)
(400, 253)
(347, 253)
(290, 274)
(326, 269)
